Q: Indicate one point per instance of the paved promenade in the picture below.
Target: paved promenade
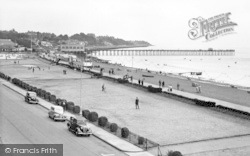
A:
(189, 95)
(111, 139)
(173, 124)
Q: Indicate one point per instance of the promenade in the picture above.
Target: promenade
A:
(172, 124)
(186, 94)
(122, 145)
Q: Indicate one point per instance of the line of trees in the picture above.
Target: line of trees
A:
(89, 39)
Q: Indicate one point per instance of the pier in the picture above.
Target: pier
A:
(163, 53)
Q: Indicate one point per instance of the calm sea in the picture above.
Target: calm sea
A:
(224, 69)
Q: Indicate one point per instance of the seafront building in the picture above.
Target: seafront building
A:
(7, 45)
(72, 47)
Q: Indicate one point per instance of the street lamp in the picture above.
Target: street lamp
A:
(132, 59)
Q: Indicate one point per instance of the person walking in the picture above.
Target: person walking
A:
(160, 83)
(170, 88)
(199, 88)
(178, 86)
(103, 88)
(142, 82)
(136, 103)
(163, 84)
(139, 82)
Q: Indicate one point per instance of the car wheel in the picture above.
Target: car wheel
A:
(54, 118)
(76, 133)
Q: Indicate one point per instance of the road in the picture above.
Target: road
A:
(22, 123)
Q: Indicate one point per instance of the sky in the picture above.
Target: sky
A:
(163, 23)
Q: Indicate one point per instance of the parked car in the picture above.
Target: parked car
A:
(57, 113)
(79, 127)
(31, 97)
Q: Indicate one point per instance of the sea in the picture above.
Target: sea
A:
(228, 70)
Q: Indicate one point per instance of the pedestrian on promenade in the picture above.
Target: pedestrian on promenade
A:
(178, 86)
(163, 84)
(199, 87)
(170, 88)
(139, 82)
(131, 79)
(64, 105)
(136, 103)
(33, 69)
(160, 83)
(109, 72)
(103, 88)
(142, 82)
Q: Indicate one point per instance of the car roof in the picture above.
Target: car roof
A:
(32, 93)
(81, 122)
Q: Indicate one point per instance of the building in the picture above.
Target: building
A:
(7, 45)
(19, 49)
(46, 44)
(73, 47)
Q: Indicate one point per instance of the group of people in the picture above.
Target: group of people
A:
(161, 84)
(198, 89)
(16, 62)
(33, 68)
(111, 71)
(140, 82)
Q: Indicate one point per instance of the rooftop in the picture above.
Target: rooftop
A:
(6, 42)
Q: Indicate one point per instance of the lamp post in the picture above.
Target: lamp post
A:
(132, 59)
(81, 69)
(81, 88)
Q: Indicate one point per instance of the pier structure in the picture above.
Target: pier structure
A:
(163, 53)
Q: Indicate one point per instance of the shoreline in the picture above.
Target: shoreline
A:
(201, 80)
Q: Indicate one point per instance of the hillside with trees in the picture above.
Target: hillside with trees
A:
(90, 39)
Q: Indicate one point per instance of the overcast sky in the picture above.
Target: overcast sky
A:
(160, 22)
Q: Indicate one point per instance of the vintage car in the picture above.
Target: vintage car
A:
(57, 113)
(79, 127)
(31, 97)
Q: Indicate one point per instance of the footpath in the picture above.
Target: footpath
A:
(103, 135)
(186, 94)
